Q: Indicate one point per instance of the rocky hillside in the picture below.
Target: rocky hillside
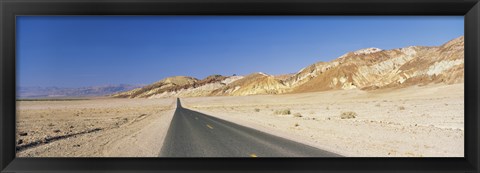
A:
(179, 86)
(256, 83)
(366, 69)
(415, 65)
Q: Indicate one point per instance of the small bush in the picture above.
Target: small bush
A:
(23, 134)
(257, 110)
(401, 108)
(283, 112)
(297, 115)
(348, 115)
(296, 124)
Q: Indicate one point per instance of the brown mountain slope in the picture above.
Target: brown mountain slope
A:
(386, 68)
(179, 86)
(366, 69)
(166, 85)
(256, 83)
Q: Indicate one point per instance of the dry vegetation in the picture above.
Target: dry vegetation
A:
(282, 112)
(298, 115)
(348, 115)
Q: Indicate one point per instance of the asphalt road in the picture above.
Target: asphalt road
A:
(193, 134)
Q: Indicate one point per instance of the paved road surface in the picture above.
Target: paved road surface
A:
(193, 134)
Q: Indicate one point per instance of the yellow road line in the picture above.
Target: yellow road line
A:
(253, 155)
(209, 126)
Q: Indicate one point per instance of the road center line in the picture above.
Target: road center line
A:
(253, 155)
(209, 126)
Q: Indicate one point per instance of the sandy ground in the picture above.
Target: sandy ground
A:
(417, 121)
(93, 128)
(410, 122)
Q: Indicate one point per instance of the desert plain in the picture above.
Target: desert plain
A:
(414, 121)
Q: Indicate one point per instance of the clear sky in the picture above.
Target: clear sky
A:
(75, 51)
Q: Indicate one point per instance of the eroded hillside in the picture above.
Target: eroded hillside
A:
(366, 69)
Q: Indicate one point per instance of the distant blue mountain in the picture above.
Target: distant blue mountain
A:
(61, 92)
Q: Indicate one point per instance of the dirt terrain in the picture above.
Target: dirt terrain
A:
(426, 121)
(417, 121)
(92, 128)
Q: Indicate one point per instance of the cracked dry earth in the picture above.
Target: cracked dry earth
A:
(92, 128)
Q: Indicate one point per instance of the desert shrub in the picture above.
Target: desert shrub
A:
(401, 108)
(296, 125)
(23, 134)
(257, 110)
(348, 115)
(283, 112)
(297, 115)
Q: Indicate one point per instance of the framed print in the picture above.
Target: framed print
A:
(251, 86)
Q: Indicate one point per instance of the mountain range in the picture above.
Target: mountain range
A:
(365, 69)
(65, 92)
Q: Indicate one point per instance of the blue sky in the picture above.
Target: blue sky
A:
(75, 51)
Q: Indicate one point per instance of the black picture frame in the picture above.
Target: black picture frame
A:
(9, 9)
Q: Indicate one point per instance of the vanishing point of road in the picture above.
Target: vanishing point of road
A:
(194, 134)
